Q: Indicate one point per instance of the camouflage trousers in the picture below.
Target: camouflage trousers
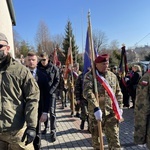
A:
(84, 109)
(12, 141)
(110, 127)
(74, 106)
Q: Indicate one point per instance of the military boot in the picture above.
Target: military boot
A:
(62, 105)
(82, 124)
(53, 136)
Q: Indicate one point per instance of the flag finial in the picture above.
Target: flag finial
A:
(89, 15)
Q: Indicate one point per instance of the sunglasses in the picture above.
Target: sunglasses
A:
(43, 59)
(1, 45)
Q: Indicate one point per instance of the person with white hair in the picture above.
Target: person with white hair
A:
(137, 73)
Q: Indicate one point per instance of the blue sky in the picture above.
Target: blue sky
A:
(127, 21)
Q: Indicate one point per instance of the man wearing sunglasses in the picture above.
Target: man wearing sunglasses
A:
(52, 73)
(19, 96)
(42, 82)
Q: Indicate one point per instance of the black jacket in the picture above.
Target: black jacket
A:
(52, 73)
(42, 82)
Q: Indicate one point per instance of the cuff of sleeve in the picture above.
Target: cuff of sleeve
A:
(45, 113)
(96, 109)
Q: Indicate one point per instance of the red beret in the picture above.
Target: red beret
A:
(102, 58)
(58, 63)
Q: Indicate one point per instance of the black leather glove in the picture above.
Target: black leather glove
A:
(30, 133)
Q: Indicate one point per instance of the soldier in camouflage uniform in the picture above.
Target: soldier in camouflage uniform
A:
(18, 102)
(142, 111)
(81, 100)
(103, 110)
(71, 84)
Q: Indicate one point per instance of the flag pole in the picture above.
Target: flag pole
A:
(94, 75)
(72, 78)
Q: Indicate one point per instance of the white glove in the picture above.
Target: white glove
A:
(126, 79)
(98, 115)
(121, 111)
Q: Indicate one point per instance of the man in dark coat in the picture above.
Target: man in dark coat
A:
(42, 82)
(52, 73)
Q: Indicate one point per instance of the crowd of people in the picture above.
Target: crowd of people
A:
(29, 91)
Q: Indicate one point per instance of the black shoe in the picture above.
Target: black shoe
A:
(53, 136)
(62, 107)
(44, 131)
(77, 115)
(82, 125)
(72, 114)
(88, 129)
(132, 107)
(65, 105)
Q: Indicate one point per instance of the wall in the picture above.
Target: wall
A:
(6, 24)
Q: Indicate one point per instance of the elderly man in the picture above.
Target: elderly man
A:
(109, 97)
(18, 104)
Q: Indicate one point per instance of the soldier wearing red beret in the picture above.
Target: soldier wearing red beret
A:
(102, 58)
(102, 109)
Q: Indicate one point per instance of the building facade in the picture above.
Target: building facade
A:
(7, 21)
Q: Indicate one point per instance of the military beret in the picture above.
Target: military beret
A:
(58, 63)
(3, 37)
(102, 58)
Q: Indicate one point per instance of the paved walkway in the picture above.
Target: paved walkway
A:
(70, 137)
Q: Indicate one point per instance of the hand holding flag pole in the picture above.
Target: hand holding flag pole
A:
(94, 75)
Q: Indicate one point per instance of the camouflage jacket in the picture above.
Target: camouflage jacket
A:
(79, 88)
(142, 111)
(71, 84)
(19, 96)
(105, 102)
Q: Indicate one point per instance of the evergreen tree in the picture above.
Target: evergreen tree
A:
(25, 48)
(66, 42)
(147, 58)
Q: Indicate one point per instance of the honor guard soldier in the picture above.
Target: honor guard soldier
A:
(102, 110)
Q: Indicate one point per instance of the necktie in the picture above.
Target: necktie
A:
(32, 72)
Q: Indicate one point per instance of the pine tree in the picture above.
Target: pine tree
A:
(66, 42)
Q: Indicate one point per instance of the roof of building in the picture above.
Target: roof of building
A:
(11, 11)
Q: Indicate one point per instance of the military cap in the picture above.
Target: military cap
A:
(58, 63)
(3, 37)
(102, 58)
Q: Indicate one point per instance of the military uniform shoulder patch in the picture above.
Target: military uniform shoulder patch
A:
(144, 83)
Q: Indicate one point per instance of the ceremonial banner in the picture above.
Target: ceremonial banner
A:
(55, 57)
(69, 63)
(87, 56)
(123, 61)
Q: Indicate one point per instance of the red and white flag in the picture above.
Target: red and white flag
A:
(69, 63)
(115, 106)
(55, 57)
